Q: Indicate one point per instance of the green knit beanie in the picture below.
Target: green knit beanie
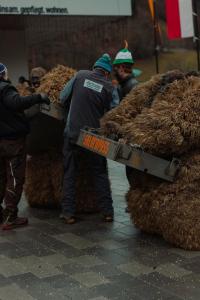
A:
(104, 62)
(123, 56)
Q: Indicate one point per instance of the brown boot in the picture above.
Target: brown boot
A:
(108, 218)
(68, 219)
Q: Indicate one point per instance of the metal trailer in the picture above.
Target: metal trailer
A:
(129, 155)
(89, 138)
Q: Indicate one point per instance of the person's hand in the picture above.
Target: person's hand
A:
(44, 98)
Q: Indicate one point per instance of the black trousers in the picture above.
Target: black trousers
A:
(97, 166)
(12, 173)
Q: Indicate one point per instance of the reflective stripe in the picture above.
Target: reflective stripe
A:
(11, 192)
(93, 85)
(12, 173)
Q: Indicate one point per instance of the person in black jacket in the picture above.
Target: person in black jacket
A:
(13, 129)
(89, 94)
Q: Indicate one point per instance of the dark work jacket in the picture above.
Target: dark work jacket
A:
(13, 123)
(91, 97)
(126, 86)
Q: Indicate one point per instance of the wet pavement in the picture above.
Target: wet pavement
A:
(92, 260)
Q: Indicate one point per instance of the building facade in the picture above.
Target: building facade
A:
(47, 40)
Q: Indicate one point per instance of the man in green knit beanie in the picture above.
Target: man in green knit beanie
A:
(123, 71)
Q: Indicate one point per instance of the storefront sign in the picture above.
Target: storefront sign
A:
(66, 7)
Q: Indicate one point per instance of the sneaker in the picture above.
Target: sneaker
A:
(13, 222)
(108, 218)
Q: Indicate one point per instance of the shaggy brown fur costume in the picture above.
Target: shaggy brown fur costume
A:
(163, 116)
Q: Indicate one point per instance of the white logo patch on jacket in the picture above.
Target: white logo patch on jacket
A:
(93, 85)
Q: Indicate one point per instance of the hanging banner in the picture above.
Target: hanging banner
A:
(179, 19)
(66, 7)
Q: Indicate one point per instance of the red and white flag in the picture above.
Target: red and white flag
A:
(179, 19)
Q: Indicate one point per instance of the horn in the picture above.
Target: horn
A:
(126, 44)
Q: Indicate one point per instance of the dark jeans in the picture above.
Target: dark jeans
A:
(97, 165)
(12, 173)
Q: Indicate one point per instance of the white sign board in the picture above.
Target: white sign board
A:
(66, 7)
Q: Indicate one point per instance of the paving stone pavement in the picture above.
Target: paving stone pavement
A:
(92, 260)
